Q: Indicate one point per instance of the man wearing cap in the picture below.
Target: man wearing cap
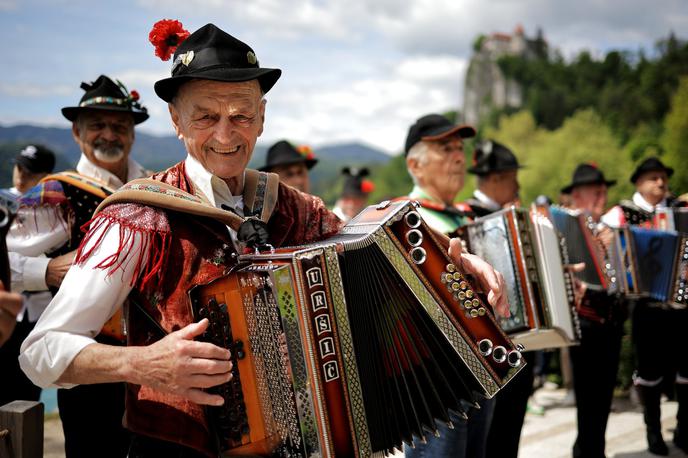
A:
(496, 169)
(31, 164)
(657, 328)
(435, 160)
(355, 192)
(596, 360)
(154, 256)
(46, 233)
(291, 164)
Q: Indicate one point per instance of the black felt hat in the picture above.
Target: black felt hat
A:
(355, 182)
(651, 164)
(105, 94)
(284, 153)
(212, 54)
(434, 127)
(36, 159)
(492, 157)
(587, 174)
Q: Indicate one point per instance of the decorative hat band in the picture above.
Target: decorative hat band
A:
(106, 101)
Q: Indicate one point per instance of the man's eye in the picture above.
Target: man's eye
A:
(97, 126)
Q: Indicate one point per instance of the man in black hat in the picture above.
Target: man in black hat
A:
(496, 169)
(43, 241)
(658, 328)
(153, 256)
(355, 192)
(31, 164)
(291, 164)
(595, 361)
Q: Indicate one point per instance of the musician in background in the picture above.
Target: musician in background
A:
(31, 164)
(46, 233)
(658, 329)
(355, 192)
(596, 360)
(496, 169)
(435, 159)
(292, 164)
(154, 256)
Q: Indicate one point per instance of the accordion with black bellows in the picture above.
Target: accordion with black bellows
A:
(351, 346)
(529, 253)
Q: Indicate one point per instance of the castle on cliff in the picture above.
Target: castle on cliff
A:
(486, 87)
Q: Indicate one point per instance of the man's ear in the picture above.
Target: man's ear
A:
(413, 166)
(174, 115)
(262, 116)
(76, 134)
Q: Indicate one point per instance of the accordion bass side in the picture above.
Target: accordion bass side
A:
(354, 345)
(530, 255)
(671, 219)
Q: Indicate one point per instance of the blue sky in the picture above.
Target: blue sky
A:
(352, 70)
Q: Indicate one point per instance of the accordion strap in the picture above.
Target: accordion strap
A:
(260, 198)
(88, 184)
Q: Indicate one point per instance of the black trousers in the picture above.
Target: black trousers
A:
(659, 341)
(595, 364)
(92, 421)
(147, 447)
(510, 411)
(15, 386)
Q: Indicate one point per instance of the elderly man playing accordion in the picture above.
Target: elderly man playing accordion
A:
(152, 256)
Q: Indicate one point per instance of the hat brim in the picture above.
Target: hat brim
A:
(267, 77)
(71, 113)
(569, 188)
(439, 133)
(309, 164)
(669, 171)
(477, 170)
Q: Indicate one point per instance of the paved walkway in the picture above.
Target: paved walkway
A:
(550, 435)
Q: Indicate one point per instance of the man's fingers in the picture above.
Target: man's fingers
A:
(455, 249)
(11, 302)
(193, 330)
(482, 272)
(207, 381)
(199, 396)
(205, 366)
(206, 350)
(579, 267)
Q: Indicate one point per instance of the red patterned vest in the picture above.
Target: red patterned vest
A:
(183, 251)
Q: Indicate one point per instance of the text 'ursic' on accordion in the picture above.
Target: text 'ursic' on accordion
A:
(662, 258)
(529, 253)
(381, 337)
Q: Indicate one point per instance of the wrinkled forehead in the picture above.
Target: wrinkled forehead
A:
(208, 92)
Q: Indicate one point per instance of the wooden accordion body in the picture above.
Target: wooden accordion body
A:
(529, 253)
(353, 345)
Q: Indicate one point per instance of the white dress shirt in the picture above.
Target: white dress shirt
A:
(486, 200)
(42, 230)
(77, 314)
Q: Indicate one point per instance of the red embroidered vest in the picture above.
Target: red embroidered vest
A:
(183, 251)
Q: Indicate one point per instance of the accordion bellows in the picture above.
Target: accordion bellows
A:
(354, 345)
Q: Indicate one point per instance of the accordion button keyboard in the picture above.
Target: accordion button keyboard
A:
(451, 268)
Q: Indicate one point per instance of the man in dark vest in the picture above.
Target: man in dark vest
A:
(596, 360)
(43, 241)
(657, 327)
(496, 169)
(292, 164)
(154, 256)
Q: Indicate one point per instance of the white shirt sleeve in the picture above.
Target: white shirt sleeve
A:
(88, 297)
(34, 232)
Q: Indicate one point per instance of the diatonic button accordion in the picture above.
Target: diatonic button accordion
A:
(354, 345)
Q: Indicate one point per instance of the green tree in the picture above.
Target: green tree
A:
(675, 137)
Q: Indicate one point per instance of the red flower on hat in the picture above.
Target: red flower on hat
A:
(367, 186)
(306, 151)
(593, 164)
(166, 35)
(134, 94)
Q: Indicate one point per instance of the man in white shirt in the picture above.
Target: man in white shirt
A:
(657, 328)
(46, 233)
(154, 256)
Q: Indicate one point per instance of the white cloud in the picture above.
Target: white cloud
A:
(34, 90)
(8, 5)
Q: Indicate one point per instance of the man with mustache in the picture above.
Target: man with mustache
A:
(154, 256)
(43, 240)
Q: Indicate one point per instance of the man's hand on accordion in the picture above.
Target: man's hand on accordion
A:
(180, 365)
(488, 279)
